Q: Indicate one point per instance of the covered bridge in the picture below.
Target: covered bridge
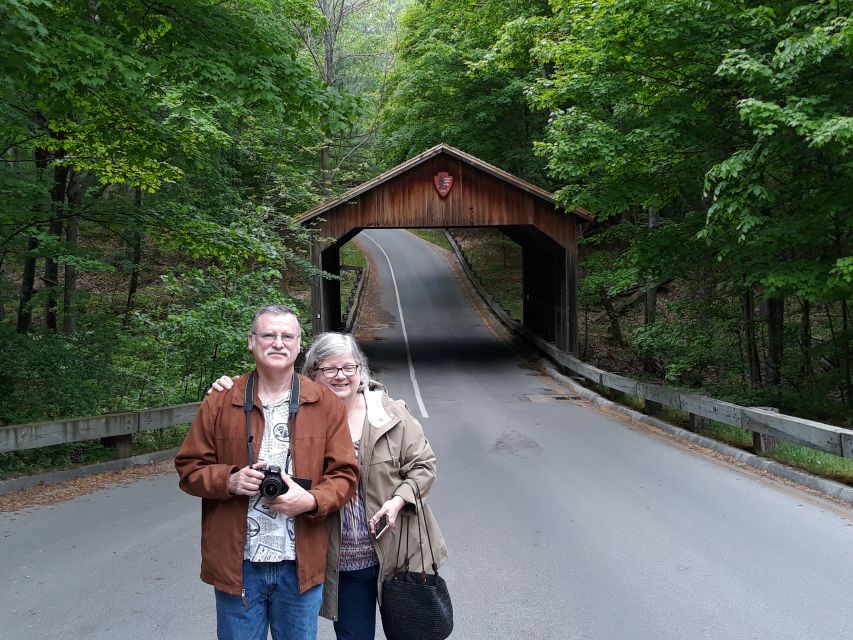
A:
(443, 188)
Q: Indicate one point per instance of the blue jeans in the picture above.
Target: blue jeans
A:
(273, 602)
(357, 604)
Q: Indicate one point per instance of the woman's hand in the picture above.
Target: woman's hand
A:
(390, 509)
(223, 384)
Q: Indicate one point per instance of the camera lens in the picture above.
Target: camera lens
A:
(271, 487)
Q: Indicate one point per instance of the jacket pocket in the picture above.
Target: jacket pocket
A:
(382, 453)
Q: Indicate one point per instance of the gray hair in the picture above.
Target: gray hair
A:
(275, 309)
(331, 344)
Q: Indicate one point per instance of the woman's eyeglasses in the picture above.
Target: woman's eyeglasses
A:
(331, 372)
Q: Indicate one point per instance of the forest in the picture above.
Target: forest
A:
(156, 152)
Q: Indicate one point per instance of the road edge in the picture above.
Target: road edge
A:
(26, 482)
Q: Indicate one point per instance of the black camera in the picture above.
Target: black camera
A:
(272, 485)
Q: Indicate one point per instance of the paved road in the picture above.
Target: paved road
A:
(562, 521)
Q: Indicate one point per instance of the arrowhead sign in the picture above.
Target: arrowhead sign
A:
(443, 181)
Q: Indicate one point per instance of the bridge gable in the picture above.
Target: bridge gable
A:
(406, 197)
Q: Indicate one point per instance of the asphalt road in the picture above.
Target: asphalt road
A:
(562, 522)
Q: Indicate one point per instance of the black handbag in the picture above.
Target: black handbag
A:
(415, 604)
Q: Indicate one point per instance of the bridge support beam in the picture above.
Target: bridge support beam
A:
(325, 292)
(549, 283)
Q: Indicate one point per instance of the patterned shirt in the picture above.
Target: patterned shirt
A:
(356, 547)
(271, 536)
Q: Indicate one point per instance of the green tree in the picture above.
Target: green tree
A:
(439, 92)
(163, 146)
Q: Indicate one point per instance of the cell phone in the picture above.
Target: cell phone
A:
(381, 526)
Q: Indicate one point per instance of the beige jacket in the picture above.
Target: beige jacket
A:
(393, 448)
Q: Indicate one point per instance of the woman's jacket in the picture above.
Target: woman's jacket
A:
(393, 449)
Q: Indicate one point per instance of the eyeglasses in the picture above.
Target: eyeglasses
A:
(331, 372)
(269, 338)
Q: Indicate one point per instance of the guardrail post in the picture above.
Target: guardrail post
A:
(696, 423)
(762, 443)
(122, 446)
(651, 407)
(614, 395)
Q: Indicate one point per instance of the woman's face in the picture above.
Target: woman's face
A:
(343, 385)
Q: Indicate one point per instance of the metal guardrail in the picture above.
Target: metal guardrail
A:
(763, 422)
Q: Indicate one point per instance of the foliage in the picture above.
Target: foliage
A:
(175, 139)
(730, 113)
(438, 92)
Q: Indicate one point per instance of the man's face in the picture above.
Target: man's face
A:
(275, 341)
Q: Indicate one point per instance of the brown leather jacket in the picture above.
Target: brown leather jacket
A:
(215, 447)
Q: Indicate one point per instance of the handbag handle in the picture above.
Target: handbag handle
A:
(420, 513)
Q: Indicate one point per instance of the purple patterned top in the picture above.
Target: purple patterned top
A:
(356, 547)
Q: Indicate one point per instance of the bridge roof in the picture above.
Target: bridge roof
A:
(420, 159)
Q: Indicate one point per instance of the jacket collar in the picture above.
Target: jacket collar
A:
(377, 415)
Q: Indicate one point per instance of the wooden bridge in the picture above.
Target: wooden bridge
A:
(444, 187)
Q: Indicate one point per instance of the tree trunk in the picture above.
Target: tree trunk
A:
(28, 279)
(775, 338)
(325, 169)
(651, 302)
(807, 370)
(78, 184)
(51, 266)
(845, 352)
(651, 288)
(329, 78)
(613, 317)
(754, 365)
(69, 308)
(136, 258)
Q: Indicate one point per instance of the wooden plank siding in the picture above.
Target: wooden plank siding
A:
(481, 196)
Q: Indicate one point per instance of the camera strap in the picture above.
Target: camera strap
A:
(249, 402)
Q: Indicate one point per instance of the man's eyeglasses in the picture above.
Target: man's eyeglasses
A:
(331, 372)
(269, 338)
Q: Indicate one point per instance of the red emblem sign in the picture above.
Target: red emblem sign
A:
(443, 181)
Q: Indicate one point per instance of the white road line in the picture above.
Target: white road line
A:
(405, 334)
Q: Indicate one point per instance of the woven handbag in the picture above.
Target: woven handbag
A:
(416, 604)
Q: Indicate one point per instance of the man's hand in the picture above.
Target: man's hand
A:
(296, 501)
(222, 384)
(246, 481)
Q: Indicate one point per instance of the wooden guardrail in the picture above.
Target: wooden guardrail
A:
(763, 422)
(118, 427)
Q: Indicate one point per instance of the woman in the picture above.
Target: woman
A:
(392, 452)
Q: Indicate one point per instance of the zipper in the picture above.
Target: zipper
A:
(243, 598)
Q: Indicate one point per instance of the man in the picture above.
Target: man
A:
(266, 557)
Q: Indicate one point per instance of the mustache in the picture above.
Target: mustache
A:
(284, 351)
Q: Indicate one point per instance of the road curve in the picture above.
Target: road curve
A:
(562, 521)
